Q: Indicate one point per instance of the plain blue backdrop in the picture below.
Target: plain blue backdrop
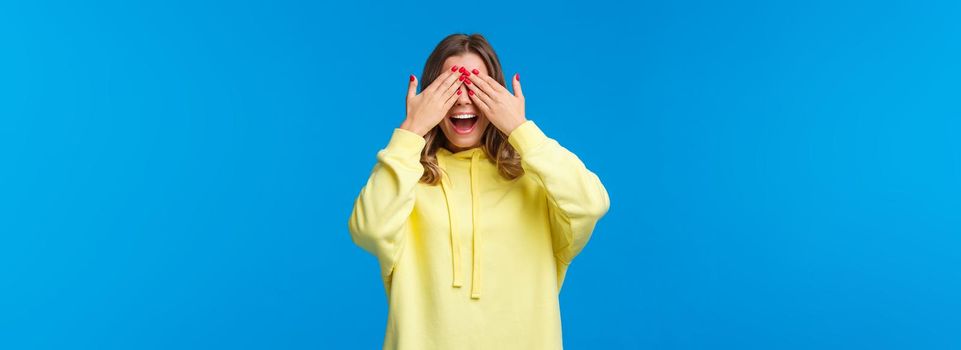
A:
(179, 174)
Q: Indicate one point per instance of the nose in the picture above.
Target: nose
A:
(462, 99)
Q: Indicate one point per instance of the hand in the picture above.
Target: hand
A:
(504, 110)
(429, 108)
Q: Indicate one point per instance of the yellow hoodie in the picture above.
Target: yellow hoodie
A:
(477, 262)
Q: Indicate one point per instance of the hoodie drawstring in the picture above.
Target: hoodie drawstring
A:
(454, 243)
(475, 272)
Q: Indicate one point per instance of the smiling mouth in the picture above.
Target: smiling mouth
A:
(463, 123)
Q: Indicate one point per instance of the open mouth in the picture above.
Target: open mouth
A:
(463, 123)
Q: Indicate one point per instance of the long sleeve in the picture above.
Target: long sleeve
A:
(576, 197)
(378, 223)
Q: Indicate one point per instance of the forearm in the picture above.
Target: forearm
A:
(387, 199)
(576, 197)
(569, 183)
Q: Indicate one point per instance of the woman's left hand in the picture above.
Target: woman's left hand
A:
(503, 109)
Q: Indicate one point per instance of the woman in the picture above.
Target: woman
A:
(473, 213)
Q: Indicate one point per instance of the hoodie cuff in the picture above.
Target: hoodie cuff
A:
(526, 137)
(406, 142)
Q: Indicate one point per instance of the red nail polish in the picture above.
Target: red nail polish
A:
(476, 71)
(466, 74)
(458, 92)
(461, 78)
(517, 76)
(470, 92)
(462, 70)
(467, 81)
(453, 69)
(411, 77)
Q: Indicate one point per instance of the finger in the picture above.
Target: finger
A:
(487, 83)
(412, 87)
(451, 83)
(453, 88)
(452, 98)
(488, 86)
(494, 84)
(517, 85)
(476, 100)
(476, 90)
(442, 80)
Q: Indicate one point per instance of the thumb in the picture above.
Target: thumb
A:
(412, 87)
(517, 85)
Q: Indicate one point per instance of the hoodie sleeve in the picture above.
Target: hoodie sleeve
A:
(378, 221)
(576, 198)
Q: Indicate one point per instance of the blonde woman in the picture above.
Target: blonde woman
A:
(473, 212)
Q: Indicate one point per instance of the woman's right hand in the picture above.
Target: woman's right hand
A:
(429, 108)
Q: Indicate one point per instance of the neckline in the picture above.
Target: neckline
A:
(467, 153)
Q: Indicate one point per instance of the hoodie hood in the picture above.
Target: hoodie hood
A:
(474, 156)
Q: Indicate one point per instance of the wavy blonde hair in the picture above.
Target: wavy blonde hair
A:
(499, 152)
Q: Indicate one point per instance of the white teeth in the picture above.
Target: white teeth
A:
(463, 116)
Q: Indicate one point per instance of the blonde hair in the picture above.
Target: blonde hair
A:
(494, 142)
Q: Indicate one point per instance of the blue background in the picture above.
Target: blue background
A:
(178, 175)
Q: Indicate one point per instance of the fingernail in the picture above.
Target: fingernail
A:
(470, 92)
(461, 78)
(458, 92)
(467, 81)
(476, 71)
(517, 76)
(462, 70)
(453, 69)
(411, 77)
(466, 74)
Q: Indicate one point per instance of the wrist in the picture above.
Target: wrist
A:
(409, 125)
(513, 126)
(528, 136)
